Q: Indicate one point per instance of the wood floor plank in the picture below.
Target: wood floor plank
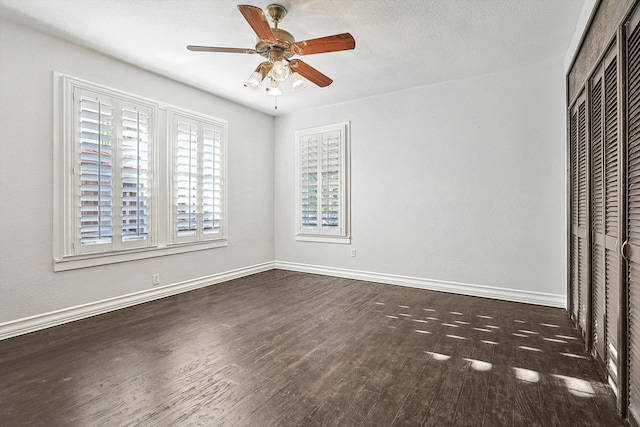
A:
(291, 349)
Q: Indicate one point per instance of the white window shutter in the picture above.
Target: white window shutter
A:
(108, 183)
(309, 163)
(331, 180)
(95, 170)
(198, 171)
(211, 181)
(110, 200)
(186, 179)
(135, 178)
(322, 184)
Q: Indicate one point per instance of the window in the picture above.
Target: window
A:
(197, 146)
(109, 141)
(322, 184)
(117, 195)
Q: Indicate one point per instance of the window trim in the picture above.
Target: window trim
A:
(64, 192)
(173, 114)
(343, 236)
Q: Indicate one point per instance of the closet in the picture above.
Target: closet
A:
(603, 154)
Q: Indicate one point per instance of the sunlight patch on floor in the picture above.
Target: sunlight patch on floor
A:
(526, 375)
(479, 365)
(438, 356)
(524, 347)
(555, 340)
(576, 386)
(458, 337)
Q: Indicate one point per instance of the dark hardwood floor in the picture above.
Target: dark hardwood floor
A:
(289, 349)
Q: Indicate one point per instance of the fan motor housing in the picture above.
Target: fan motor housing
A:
(284, 42)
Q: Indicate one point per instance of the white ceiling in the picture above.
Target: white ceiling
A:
(400, 44)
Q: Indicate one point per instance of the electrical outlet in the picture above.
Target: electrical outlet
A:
(353, 252)
(155, 278)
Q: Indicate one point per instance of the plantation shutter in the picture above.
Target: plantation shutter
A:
(96, 145)
(633, 215)
(186, 179)
(597, 217)
(322, 184)
(330, 172)
(135, 174)
(112, 173)
(211, 181)
(611, 197)
(321, 167)
(579, 208)
(198, 179)
(309, 163)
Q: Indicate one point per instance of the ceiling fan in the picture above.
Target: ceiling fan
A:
(279, 46)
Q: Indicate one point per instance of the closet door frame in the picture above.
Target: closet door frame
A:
(623, 304)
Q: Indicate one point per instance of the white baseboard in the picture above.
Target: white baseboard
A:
(54, 318)
(58, 317)
(514, 295)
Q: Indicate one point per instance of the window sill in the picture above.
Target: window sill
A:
(84, 261)
(324, 239)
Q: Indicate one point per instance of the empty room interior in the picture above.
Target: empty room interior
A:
(302, 212)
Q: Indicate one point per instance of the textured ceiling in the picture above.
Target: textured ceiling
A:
(400, 44)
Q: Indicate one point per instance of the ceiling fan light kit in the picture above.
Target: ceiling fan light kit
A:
(279, 46)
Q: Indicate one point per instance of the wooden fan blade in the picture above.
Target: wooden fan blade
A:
(344, 41)
(220, 49)
(310, 73)
(255, 17)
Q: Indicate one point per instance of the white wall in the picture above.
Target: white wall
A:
(459, 182)
(28, 285)
(462, 182)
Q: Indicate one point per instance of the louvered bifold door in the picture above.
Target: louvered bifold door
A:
(632, 194)
(605, 212)
(573, 215)
(579, 212)
(597, 215)
(611, 214)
